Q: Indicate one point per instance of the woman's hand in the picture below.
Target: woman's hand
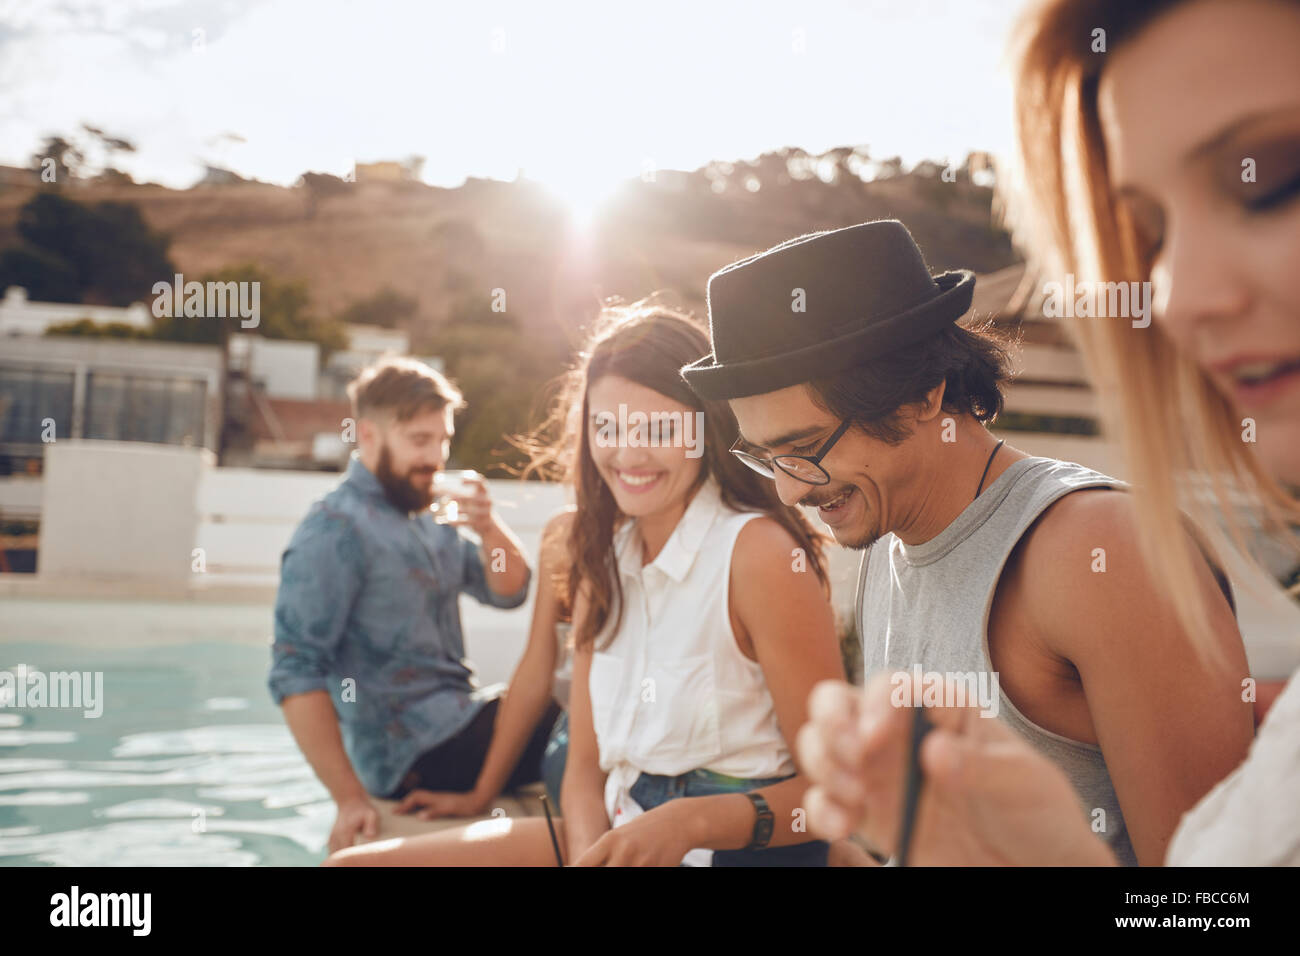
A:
(988, 797)
(658, 837)
(437, 804)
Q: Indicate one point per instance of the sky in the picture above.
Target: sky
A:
(579, 96)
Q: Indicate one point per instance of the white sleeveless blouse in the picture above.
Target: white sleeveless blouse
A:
(672, 692)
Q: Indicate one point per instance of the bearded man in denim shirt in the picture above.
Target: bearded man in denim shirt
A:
(368, 657)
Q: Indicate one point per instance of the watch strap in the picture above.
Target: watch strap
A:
(763, 826)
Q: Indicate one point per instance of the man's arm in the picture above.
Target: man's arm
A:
(320, 576)
(1170, 721)
(507, 569)
(315, 728)
(496, 572)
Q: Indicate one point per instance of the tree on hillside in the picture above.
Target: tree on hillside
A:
(108, 145)
(72, 156)
(773, 168)
(114, 177)
(387, 308)
(66, 156)
(98, 330)
(102, 253)
(500, 372)
(890, 168)
(284, 313)
(46, 277)
(319, 187)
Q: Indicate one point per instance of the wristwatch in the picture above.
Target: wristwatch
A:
(763, 825)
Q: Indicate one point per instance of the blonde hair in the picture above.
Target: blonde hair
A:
(1172, 423)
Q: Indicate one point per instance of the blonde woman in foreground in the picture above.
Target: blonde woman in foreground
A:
(1169, 152)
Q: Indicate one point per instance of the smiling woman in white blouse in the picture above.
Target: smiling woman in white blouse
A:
(701, 623)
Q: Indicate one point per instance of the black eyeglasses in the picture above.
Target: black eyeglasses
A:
(806, 468)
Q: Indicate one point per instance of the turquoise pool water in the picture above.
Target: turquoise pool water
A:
(190, 764)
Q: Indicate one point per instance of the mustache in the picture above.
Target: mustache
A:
(822, 499)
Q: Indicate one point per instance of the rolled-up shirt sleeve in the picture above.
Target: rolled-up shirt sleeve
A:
(476, 585)
(321, 573)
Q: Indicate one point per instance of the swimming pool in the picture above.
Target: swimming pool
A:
(190, 763)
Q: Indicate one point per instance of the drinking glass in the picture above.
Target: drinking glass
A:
(447, 485)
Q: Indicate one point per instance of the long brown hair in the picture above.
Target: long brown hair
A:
(1173, 423)
(647, 343)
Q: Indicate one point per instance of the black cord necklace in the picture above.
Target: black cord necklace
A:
(987, 465)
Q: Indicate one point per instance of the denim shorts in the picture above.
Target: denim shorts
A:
(650, 790)
(553, 759)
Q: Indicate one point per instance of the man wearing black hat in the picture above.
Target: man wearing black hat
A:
(856, 390)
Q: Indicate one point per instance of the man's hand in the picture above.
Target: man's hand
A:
(503, 560)
(475, 511)
(357, 815)
(440, 804)
(656, 838)
(988, 797)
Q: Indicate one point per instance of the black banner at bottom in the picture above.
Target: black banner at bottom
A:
(303, 905)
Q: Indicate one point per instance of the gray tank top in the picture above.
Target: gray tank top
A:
(927, 607)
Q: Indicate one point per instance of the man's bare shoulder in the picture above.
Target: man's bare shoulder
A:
(1080, 566)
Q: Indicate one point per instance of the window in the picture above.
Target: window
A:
(123, 407)
(29, 396)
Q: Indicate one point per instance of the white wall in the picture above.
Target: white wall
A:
(20, 495)
(119, 510)
(132, 510)
(247, 515)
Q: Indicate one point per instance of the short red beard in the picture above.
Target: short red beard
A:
(399, 489)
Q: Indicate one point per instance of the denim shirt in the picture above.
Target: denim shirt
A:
(367, 610)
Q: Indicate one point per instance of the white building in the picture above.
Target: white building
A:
(60, 387)
(280, 367)
(366, 345)
(286, 369)
(375, 340)
(20, 316)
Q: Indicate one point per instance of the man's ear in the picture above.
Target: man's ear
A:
(932, 404)
(368, 433)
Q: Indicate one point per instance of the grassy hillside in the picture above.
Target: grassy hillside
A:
(450, 248)
(434, 243)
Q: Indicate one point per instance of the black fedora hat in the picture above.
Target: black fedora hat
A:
(819, 304)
